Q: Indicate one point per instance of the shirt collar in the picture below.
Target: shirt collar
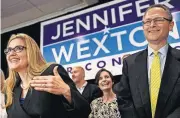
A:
(162, 51)
(84, 85)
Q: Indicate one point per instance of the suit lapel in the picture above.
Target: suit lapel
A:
(142, 80)
(28, 98)
(19, 91)
(169, 79)
(85, 91)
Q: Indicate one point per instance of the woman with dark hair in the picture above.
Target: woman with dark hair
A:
(105, 106)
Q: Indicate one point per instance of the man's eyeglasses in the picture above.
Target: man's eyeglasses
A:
(158, 20)
(16, 49)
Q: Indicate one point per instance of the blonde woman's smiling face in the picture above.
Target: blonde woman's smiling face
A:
(17, 56)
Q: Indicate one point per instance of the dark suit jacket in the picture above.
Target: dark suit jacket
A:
(91, 92)
(133, 89)
(45, 105)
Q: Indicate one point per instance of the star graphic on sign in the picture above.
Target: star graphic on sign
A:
(106, 30)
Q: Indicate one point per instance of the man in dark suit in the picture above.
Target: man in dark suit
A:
(150, 84)
(88, 91)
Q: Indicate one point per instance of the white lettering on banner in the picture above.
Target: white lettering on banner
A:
(122, 12)
(58, 33)
(74, 26)
(131, 37)
(115, 62)
(96, 18)
(66, 28)
(62, 51)
(113, 15)
(118, 35)
(166, 2)
(139, 8)
(84, 25)
(83, 45)
(81, 49)
(100, 45)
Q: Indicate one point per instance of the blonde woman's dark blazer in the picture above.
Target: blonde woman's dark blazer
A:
(45, 105)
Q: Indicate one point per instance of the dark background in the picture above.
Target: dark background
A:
(34, 31)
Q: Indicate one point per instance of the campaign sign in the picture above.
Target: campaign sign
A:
(100, 36)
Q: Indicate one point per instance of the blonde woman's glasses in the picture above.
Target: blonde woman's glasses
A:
(16, 49)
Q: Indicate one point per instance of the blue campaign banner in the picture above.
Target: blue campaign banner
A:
(98, 37)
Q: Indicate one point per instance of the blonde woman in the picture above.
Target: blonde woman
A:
(26, 62)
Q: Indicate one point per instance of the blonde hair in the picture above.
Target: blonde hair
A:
(36, 64)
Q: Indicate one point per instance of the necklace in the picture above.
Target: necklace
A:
(23, 87)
